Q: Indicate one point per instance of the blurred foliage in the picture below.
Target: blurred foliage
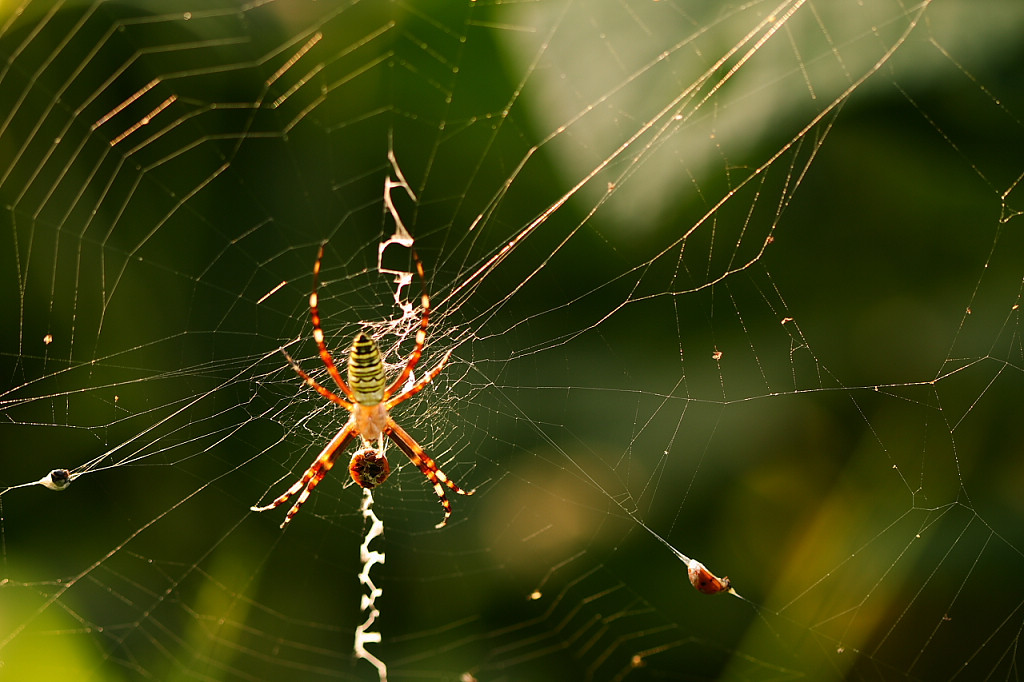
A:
(855, 470)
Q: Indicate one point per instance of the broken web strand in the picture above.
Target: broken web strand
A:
(367, 601)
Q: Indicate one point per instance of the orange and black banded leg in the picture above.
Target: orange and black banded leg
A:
(421, 384)
(318, 332)
(426, 465)
(314, 474)
(421, 333)
(312, 383)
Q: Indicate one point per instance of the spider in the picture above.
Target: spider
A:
(370, 404)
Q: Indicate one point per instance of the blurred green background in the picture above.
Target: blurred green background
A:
(772, 320)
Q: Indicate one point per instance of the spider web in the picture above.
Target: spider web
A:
(732, 282)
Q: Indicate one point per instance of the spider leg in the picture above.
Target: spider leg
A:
(314, 474)
(333, 397)
(318, 332)
(425, 464)
(419, 385)
(421, 334)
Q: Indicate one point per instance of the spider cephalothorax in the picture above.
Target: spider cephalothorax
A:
(369, 400)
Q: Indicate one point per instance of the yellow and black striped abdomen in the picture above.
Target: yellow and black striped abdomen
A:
(366, 371)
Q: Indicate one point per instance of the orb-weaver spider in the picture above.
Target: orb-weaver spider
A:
(369, 404)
